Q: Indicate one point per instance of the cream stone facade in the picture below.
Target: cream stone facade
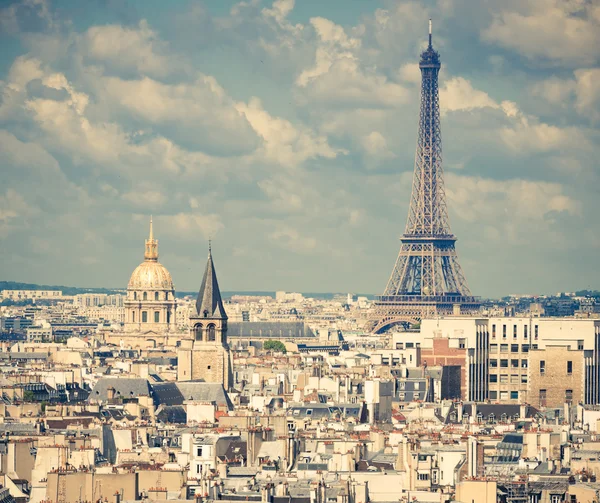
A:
(556, 376)
(150, 304)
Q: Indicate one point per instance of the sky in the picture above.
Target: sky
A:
(285, 132)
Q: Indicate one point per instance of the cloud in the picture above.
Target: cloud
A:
(295, 138)
(338, 77)
(457, 93)
(290, 239)
(149, 200)
(513, 209)
(126, 50)
(587, 89)
(196, 116)
(187, 225)
(532, 136)
(553, 31)
(284, 143)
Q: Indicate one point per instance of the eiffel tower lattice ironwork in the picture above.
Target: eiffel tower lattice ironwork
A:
(427, 279)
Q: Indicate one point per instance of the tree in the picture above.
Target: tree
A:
(275, 346)
(28, 396)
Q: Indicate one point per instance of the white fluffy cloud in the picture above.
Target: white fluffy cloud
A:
(287, 139)
(284, 143)
(124, 49)
(562, 32)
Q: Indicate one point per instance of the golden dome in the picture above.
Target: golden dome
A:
(150, 275)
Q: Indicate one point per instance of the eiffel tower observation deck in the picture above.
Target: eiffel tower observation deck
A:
(427, 279)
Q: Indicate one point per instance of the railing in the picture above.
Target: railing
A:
(434, 299)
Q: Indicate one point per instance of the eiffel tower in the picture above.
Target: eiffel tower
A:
(427, 279)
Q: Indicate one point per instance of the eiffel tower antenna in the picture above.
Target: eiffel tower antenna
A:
(427, 279)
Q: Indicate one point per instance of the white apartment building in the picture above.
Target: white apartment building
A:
(496, 350)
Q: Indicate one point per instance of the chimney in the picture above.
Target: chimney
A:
(523, 411)
(472, 456)
(474, 412)
(459, 411)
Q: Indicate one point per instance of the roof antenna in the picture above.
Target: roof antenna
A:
(429, 32)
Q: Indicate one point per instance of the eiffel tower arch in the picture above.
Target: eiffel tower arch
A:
(427, 279)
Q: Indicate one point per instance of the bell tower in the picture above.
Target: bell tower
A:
(209, 358)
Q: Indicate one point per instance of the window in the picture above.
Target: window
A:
(504, 378)
(504, 396)
(494, 363)
(514, 378)
(536, 332)
(198, 332)
(309, 412)
(534, 346)
(568, 395)
(156, 316)
(514, 363)
(134, 295)
(525, 348)
(409, 345)
(524, 379)
(504, 348)
(525, 332)
(493, 378)
(423, 476)
(542, 398)
(494, 331)
(524, 364)
(542, 367)
(462, 343)
(144, 316)
(199, 452)
(569, 367)
(514, 331)
(145, 295)
(133, 317)
(493, 348)
(169, 318)
(580, 345)
(208, 368)
(504, 331)
(493, 396)
(514, 395)
(504, 364)
(211, 333)
(514, 348)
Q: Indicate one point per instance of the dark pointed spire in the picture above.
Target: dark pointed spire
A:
(209, 303)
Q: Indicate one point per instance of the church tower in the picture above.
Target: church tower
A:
(206, 356)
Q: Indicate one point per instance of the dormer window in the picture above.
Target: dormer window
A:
(205, 313)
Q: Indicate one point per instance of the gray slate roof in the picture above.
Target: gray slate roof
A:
(124, 388)
(171, 393)
(209, 303)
